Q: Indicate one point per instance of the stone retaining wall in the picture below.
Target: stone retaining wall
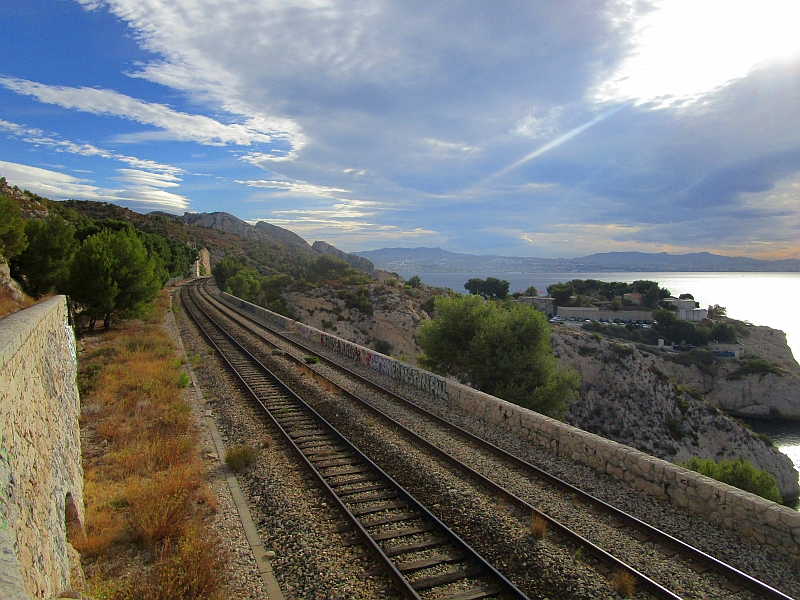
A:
(764, 521)
(41, 477)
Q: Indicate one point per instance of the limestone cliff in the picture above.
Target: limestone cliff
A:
(760, 395)
(635, 397)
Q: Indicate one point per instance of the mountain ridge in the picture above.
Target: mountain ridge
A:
(434, 260)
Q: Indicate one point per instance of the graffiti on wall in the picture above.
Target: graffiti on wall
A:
(340, 346)
(406, 374)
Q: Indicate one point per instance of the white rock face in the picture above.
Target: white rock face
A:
(642, 400)
(766, 396)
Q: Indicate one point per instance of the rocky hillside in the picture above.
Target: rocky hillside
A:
(766, 395)
(396, 314)
(642, 399)
(639, 398)
(357, 262)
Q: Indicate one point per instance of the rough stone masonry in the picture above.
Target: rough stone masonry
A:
(41, 477)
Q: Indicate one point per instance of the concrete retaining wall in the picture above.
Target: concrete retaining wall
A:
(41, 477)
(764, 521)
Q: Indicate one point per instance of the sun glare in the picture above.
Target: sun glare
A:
(686, 48)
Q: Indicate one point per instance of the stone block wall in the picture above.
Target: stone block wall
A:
(41, 477)
(764, 521)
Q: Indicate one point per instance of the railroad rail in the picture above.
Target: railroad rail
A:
(417, 550)
(700, 561)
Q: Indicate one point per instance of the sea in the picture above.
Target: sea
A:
(771, 299)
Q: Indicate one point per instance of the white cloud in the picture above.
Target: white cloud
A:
(60, 186)
(295, 187)
(54, 185)
(38, 137)
(145, 178)
(174, 125)
(685, 48)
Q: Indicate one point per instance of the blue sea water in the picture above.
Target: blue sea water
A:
(761, 298)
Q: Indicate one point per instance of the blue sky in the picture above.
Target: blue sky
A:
(552, 129)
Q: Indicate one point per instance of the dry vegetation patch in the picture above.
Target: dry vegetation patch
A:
(147, 500)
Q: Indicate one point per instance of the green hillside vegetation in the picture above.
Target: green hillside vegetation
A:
(263, 283)
(110, 268)
(738, 473)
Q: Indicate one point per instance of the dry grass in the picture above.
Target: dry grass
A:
(538, 526)
(239, 458)
(623, 583)
(147, 501)
(9, 306)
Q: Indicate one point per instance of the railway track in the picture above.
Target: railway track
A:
(421, 555)
(729, 579)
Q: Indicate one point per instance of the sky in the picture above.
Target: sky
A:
(519, 128)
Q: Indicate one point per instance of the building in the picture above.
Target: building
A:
(686, 309)
(634, 298)
(726, 350)
(543, 303)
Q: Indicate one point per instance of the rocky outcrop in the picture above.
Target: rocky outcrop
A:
(8, 287)
(632, 397)
(759, 395)
(357, 262)
(261, 231)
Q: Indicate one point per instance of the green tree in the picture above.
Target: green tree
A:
(44, 264)
(717, 312)
(246, 284)
(561, 293)
(415, 282)
(503, 351)
(12, 228)
(112, 275)
(531, 291)
(226, 268)
(490, 289)
(723, 332)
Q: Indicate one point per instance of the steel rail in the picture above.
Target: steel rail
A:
(403, 584)
(731, 573)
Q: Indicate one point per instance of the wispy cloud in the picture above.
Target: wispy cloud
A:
(39, 137)
(60, 186)
(295, 187)
(175, 125)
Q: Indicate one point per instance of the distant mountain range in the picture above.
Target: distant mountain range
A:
(436, 260)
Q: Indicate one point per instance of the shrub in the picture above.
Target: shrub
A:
(239, 458)
(383, 347)
(754, 366)
(159, 506)
(738, 473)
(311, 360)
(183, 380)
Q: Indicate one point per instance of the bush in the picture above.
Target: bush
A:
(183, 380)
(738, 473)
(311, 360)
(239, 458)
(383, 347)
(754, 366)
